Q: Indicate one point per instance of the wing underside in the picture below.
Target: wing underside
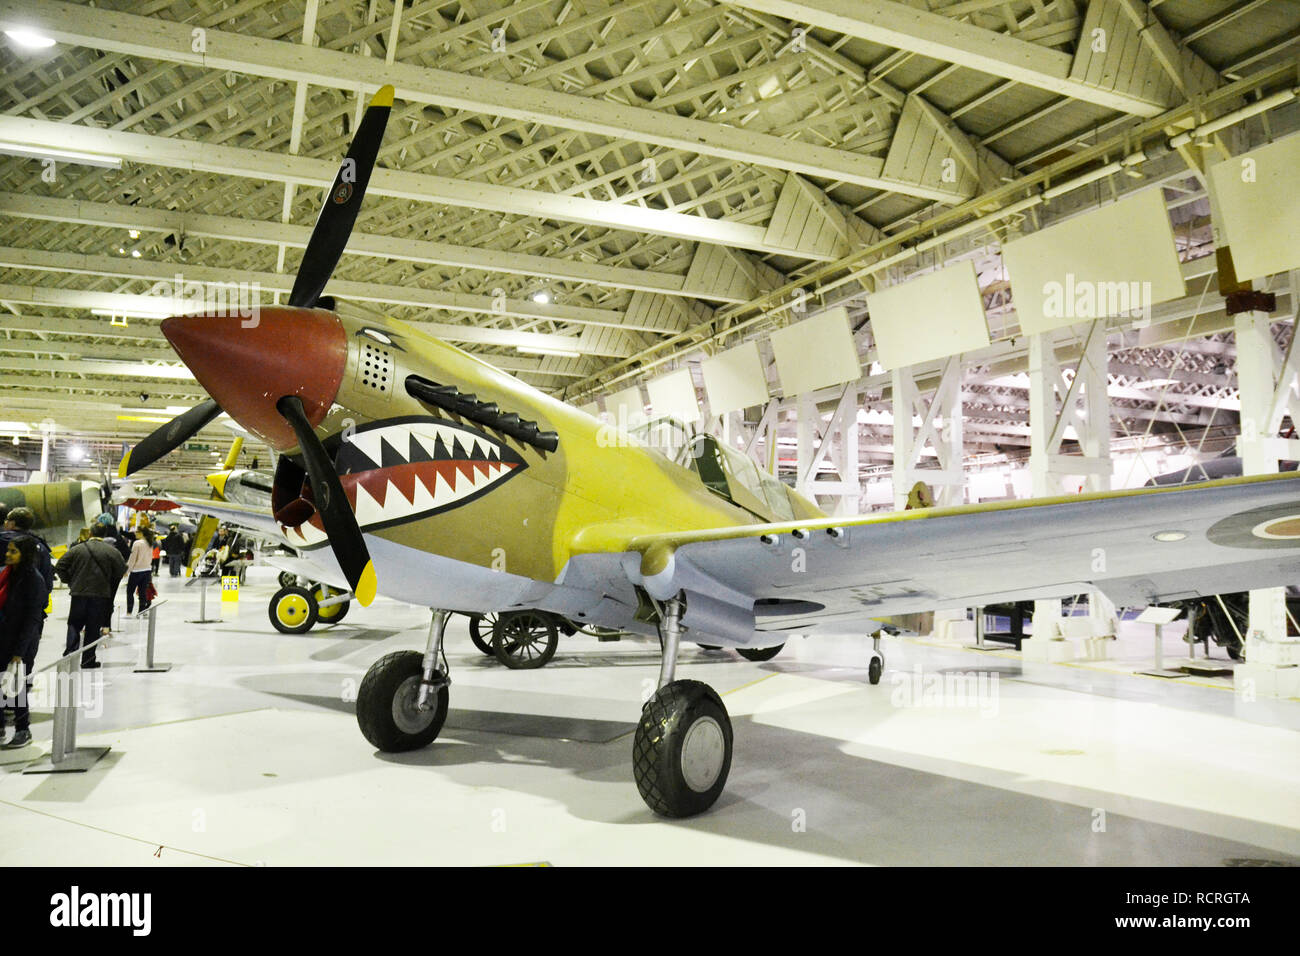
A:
(1138, 547)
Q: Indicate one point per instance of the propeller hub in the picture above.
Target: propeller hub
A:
(247, 370)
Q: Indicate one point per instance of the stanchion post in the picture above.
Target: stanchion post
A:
(149, 666)
(65, 756)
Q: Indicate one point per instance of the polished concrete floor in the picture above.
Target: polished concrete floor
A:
(247, 753)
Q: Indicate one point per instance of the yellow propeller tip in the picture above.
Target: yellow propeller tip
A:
(367, 586)
(126, 463)
(383, 96)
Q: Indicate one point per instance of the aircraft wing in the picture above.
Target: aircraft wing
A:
(257, 520)
(1137, 546)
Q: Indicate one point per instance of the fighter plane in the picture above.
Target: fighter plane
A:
(423, 473)
(62, 508)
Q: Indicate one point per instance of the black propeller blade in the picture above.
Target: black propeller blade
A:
(332, 503)
(334, 224)
(168, 437)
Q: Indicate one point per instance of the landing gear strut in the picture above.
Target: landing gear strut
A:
(681, 753)
(877, 665)
(402, 701)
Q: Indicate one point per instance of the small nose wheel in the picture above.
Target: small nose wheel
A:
(877, 665)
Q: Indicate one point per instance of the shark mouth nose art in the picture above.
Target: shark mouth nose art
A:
(400, 470)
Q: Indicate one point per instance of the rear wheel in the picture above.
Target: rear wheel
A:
(525, 640)
(293, 610)
(759, 653)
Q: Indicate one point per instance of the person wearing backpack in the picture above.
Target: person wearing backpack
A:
(92, 572)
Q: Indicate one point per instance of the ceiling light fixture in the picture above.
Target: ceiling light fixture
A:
(1170, 535)
(61, 155)
(548, 350)
(30, 39)
(541, 298)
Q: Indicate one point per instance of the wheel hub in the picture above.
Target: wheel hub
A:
(703, 752)
(292, 609)
(407, 715)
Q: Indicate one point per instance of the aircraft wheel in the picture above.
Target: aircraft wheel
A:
(287, 579)
(759, 653)
(875, 669)
(681, 753)
(387, 710)
(525, 640)
(1235, 651)
(335, 612)
(480, 632)
(293, 610)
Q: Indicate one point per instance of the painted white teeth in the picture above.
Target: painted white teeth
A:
(437, 493)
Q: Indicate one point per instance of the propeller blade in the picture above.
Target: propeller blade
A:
(168, 438)
(334, 225)
(332, 503)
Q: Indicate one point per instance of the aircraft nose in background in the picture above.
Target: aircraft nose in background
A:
(289, 351)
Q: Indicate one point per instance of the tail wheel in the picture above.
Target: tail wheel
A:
(759, 653)
(335, 612)
(525, 640)
(481, 627)
(681, 753)
(293, 610)
(388, 711)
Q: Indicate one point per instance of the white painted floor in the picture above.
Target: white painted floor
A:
(247, 753)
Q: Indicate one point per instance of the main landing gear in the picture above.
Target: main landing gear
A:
(681, 753)
(402, 701)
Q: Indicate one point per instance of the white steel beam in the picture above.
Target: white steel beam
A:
(70, 263)
(121, 303)
(906, 27)
(198, 156)
(174, 42)
(145, 218)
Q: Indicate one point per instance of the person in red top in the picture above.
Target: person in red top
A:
(22, 610)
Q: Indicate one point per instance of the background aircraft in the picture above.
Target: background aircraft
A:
(62, 508)
(413, 468)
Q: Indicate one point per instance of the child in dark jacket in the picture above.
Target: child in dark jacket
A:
(24, 594)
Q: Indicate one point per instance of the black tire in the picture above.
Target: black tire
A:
(293, 610)
(759, 653)
(480, 632)
(335, 612)
(1235, 652)
(287, 579)
(875, 669)
(386, 710)
(677, 714)
(525, 640)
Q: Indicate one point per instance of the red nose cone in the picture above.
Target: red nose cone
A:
(289, 351)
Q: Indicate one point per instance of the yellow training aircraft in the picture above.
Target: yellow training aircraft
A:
(418, 471)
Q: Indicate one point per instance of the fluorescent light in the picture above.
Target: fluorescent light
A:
(135, 313)
(30, 39)
(1170, 535)
(62, 155)
(541, 298)
(15, 427)
(549, 350)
